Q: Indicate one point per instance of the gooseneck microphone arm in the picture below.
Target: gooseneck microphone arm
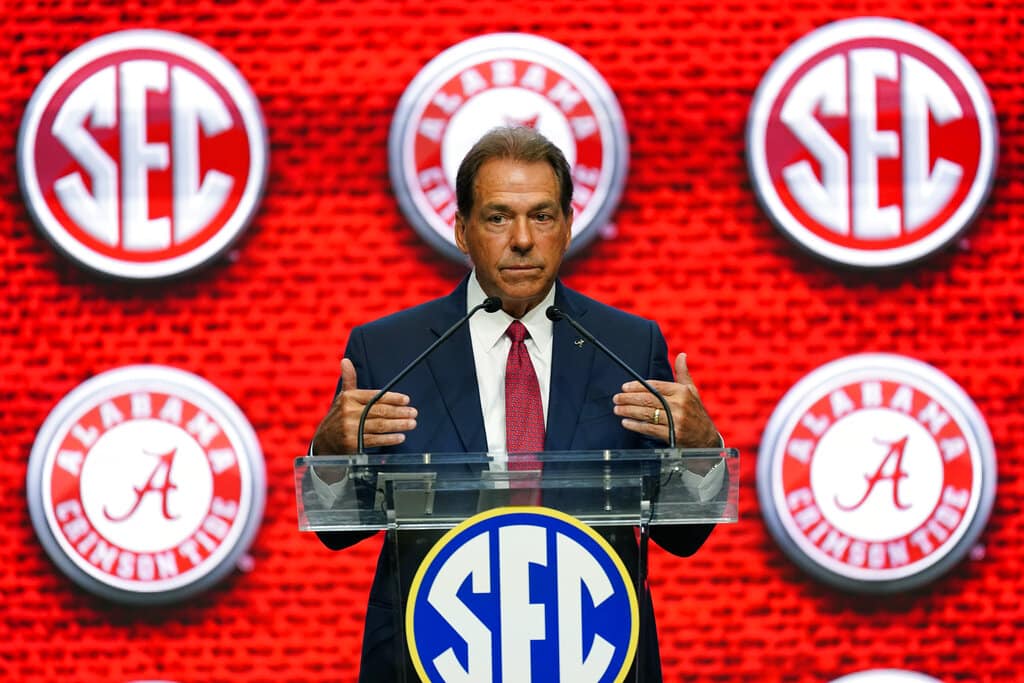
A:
(490, 304)
(555, 314)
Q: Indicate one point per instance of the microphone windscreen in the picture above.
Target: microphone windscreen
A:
(492, 304)
(554, 314)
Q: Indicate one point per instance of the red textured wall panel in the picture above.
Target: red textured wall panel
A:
(329, 250)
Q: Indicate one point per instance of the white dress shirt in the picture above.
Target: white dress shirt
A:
(490, 355)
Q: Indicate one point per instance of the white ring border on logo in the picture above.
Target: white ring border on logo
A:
(810, 45)
(793, 406)
(886, 676)
(243, 99)
(526, 47)
(214, 402)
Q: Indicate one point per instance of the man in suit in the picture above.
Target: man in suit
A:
(514, 222)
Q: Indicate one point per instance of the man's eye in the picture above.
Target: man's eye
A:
(497, 219)
(543, 217)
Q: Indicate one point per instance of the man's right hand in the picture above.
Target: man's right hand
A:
(387, 419)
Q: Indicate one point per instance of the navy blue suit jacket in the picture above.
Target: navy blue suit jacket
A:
(444, 391)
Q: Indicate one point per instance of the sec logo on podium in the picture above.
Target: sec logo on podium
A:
(522, 594)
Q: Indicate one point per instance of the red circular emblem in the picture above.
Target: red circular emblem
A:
(505, 79)
(872, 142)
(886, 676)
(876, 473)
(146, 484)
(142, 154)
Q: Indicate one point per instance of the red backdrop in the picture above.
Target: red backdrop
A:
(329, 250)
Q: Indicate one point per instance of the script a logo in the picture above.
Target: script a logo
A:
(142, 154)
(872, 142)
(161, 470)
(518, 594)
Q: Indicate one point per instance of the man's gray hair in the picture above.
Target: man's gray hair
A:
(512, 143)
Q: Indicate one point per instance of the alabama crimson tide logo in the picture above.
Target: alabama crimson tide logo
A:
(505, 79)
(876, 473)
(142, 154)
(872, 142)
(146, 484)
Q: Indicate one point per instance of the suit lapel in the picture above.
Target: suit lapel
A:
(454, 374)
(570, 371)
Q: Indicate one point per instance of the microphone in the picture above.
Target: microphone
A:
(490, 304)
(555, 314)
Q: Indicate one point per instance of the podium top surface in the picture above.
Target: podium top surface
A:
(364, 492)
(592, 456)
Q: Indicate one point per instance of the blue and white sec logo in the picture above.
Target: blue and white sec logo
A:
(519, 595)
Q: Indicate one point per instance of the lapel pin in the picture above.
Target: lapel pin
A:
(579, 343)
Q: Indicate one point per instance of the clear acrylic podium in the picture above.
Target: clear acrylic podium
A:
(416, 498)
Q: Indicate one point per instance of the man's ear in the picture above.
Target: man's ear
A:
(460, 233)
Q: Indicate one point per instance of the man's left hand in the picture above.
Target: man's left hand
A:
(643, 413)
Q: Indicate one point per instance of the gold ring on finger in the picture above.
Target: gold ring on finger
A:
(656, 418)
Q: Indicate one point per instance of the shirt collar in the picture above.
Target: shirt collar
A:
(490, 327)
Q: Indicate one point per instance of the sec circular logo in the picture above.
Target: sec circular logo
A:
(876, 473)
(871, 142)
(146, 484)
(142, 154)
(522, 594)
(505, 79)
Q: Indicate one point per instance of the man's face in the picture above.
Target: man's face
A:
(516, 234)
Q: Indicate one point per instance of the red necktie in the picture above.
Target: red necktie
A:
(524, 412)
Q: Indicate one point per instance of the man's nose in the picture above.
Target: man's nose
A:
(522, 234)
